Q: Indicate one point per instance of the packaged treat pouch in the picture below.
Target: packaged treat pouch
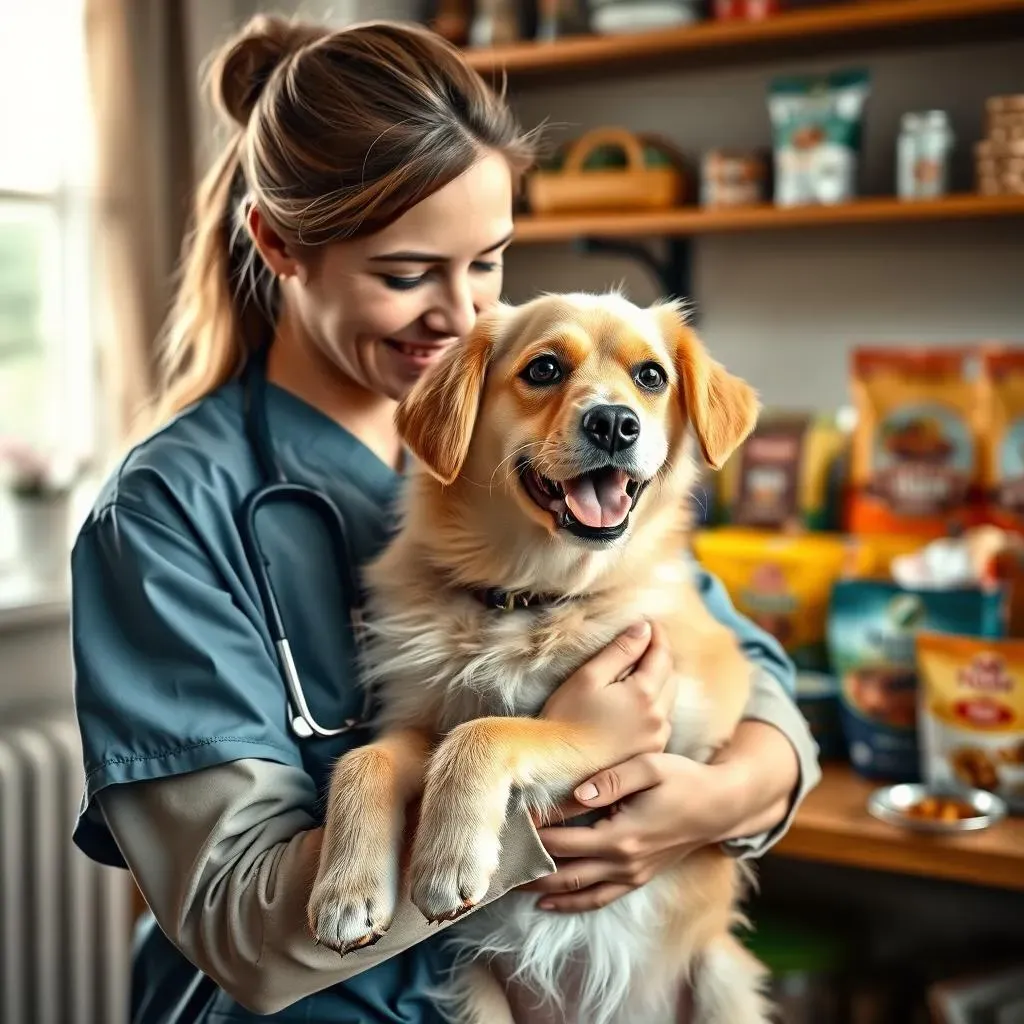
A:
(817, 129)
(1002, 378)
(783, 476)
(872, 629)
(781, 582)
(915, 464)
(972, 713)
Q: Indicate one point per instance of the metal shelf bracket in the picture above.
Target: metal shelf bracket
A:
(673, 271)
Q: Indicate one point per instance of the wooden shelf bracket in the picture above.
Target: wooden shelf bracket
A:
(673, 271)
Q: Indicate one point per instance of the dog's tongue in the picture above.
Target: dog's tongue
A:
(599, 499)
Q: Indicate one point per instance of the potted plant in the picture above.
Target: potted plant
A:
(40, 485)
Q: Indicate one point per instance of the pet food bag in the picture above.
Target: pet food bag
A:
(787, 474)
(972, 714)
(1002, 379)
(817, 127)
(916, 458)
(871, 636)
(783, 584)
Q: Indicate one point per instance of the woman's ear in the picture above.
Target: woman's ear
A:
(721, 408)
(437, 417)
(270, 245)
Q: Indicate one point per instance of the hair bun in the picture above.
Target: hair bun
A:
(244, 66)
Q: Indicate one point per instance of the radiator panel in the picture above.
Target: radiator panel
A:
(64, 921)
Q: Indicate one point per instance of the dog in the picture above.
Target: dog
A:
(554, 468)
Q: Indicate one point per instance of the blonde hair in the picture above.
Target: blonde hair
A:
(337, 133)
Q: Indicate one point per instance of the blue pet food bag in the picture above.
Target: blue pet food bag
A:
(871, 639)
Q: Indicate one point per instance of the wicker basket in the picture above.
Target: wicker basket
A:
(636, 187)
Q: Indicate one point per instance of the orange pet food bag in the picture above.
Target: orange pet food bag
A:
(915, 464)
(1003, 382)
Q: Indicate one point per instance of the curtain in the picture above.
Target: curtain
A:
(142, 84)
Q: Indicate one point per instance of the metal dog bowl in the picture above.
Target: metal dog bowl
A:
(891, 804)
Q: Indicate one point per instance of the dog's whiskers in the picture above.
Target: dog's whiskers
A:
(522, 448)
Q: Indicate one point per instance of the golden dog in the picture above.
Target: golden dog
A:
(556, 474)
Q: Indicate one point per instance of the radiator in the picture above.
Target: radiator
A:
(65, 921)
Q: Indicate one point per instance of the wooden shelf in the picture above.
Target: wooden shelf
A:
(686, 221)
(873, 23)
(833, 826)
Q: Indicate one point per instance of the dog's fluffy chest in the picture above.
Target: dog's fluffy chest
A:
(446, 666)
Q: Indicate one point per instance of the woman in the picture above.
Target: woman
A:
(352, 230)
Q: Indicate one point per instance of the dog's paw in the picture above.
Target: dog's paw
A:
(351, 910)
(451, 869)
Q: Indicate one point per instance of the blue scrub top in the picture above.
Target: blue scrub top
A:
(175, 669)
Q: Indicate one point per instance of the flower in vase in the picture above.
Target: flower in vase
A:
(32, 473)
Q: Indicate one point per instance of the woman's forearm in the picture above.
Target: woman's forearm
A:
(772, 761)
(764, 771)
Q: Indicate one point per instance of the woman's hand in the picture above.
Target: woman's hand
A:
(663, 807)
(623, 694)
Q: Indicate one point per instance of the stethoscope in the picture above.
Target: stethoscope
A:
(278, 490)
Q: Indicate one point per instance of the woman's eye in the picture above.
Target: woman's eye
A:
(400, 284)
(651, 377)
(483, 267)
(542, 370)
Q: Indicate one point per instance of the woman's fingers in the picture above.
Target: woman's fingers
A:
(575, 875)
(654, 669)
(614, 784)
(616, 659)
(601, 841)
(594, 898)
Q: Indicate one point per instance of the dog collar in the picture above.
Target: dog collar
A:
(500, 600)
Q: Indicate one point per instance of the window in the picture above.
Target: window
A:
(47, 344)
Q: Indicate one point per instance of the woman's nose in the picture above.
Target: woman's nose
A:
(456, 314)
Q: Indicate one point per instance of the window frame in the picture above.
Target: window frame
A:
(72, 346)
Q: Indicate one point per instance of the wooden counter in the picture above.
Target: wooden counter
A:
(834, 826)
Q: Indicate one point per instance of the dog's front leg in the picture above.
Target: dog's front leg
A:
(356, 889)
(469, 780)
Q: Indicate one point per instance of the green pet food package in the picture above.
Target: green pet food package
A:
(817, 126)
(872, 637)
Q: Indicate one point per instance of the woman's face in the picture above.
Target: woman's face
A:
(383, 308)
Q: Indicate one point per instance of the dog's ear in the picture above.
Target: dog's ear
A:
(721, 408)
(436, 418)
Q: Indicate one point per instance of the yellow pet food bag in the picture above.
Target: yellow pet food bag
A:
(782, 582)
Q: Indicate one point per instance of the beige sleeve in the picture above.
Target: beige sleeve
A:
(225, 857)
(770, 703)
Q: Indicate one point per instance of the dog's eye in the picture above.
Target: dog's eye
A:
(650, 376)
(542, 370)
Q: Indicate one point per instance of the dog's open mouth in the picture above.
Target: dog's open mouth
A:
(595, 506)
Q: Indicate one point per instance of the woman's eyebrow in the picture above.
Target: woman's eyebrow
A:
(428, 257)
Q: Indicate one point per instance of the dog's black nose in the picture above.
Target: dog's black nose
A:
(611, 427)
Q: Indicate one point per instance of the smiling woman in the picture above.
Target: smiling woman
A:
(350, 235)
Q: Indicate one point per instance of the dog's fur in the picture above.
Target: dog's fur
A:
(461, 684)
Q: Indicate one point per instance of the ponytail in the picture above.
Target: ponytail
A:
(225, 305)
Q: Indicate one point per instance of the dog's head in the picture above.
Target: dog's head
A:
(571, 405)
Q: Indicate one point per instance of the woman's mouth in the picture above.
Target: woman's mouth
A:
(418, 355)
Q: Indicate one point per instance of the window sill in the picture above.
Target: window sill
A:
(27, 604)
